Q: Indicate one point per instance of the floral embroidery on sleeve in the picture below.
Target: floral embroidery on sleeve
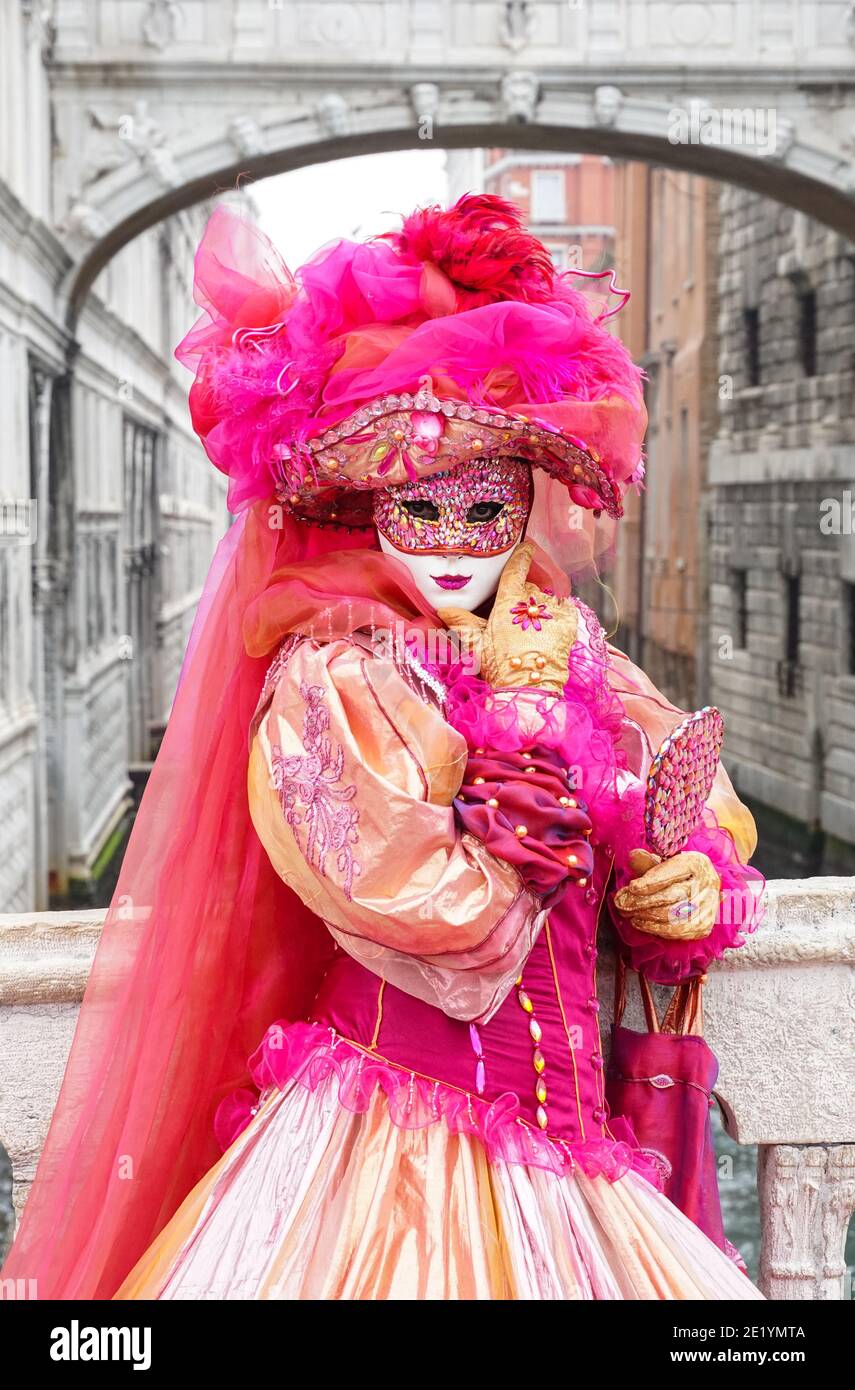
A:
(312, 795)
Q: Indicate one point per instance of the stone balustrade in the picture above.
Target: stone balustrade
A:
(780, 1016)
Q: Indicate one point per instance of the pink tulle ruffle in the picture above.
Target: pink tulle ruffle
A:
(280, 357)
(308, 1053)
(583, 728)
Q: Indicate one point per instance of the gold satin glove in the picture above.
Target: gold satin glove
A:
(677, 898)
(527, 638)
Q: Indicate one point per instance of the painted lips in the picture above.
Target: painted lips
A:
(451, 581)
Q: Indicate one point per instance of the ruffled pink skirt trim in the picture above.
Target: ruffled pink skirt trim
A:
(316, 1201)
(309, 1053)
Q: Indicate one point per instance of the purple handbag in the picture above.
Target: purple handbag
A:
(660, 1082)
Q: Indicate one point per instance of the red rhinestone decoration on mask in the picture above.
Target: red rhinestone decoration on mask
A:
(454, 493)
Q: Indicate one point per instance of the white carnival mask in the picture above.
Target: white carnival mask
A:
(455, 531)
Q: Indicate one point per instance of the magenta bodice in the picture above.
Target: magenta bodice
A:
(559, 979)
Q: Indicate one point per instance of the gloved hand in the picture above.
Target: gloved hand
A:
(527, 638)
(676, 898)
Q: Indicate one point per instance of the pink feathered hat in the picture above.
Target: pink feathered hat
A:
(389, 360)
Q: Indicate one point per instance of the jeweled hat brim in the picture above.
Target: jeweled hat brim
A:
(400, 438)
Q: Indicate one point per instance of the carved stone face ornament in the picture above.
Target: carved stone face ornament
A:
(455, 530)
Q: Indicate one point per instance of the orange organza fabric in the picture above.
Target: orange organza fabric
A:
(315, 1201)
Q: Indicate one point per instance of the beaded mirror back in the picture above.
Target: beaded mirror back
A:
(680, 780)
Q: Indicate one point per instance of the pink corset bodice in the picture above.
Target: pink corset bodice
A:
(542, 1045)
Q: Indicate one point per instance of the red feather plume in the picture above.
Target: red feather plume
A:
(480, 243)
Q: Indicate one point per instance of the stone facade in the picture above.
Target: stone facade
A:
(782, 554)
(567, 200)
(110, 511)
(160, 105)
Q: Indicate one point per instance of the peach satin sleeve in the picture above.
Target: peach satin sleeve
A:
(351, 779)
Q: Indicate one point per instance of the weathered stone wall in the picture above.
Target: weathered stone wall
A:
(45, 959)
(782, 548)
(110, 510)
(769, 256)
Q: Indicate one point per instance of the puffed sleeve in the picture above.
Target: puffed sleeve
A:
(352, 778)
(727, 836)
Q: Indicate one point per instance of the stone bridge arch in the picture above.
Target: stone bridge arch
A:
(159, 105)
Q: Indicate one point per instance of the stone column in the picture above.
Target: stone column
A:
(807, 1196)
(42, 388)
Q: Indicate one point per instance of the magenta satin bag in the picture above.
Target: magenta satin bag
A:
(660, 1083)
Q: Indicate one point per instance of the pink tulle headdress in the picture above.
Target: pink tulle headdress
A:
(381, 362)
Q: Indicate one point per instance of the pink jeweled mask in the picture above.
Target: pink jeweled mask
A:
(478, 508)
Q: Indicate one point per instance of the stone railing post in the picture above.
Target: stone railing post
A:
(781, 1020)
(807, 1196)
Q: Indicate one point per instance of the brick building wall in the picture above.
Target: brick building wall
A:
(667, 252)
(567, 200)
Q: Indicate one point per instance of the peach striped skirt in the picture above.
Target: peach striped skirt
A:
(315, 1201)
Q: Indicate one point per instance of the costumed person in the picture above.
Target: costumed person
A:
(341, 1038)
